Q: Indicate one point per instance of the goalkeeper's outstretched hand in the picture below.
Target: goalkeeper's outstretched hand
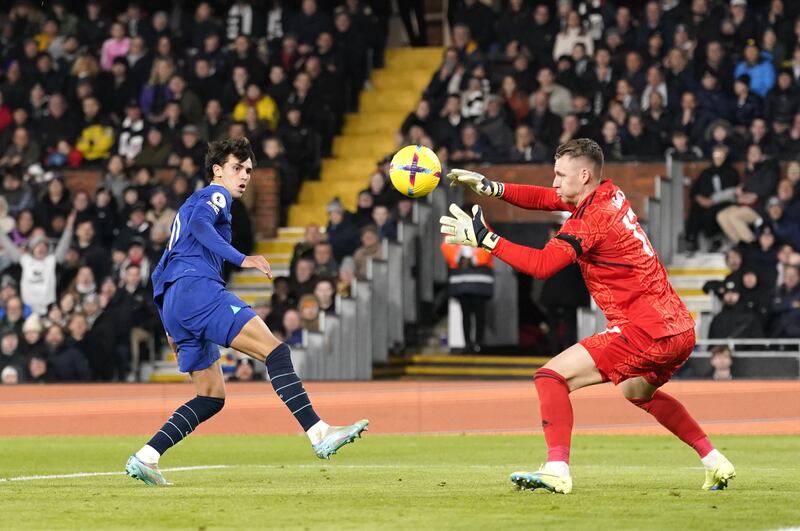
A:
(465, 229)
(477, 182)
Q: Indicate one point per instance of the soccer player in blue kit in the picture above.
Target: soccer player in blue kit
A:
(199, 314)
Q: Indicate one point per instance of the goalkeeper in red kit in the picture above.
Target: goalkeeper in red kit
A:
(650, 333)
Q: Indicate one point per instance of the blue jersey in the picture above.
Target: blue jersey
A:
(199, 240)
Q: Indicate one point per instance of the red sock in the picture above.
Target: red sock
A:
(556, 410)
(672, 415)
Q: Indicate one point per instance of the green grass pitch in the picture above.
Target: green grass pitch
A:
(397, 482)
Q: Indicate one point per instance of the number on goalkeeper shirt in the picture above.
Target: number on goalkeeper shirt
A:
(632, 225)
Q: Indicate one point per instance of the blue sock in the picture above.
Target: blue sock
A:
(289, 387)
(184, 420)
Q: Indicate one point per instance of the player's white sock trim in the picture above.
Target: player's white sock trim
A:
(560, 468)
(148, 455)
(710, 460)
(317, 431)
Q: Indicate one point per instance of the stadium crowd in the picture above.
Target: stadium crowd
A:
(134, 91)
(697, 80)
(137, 93)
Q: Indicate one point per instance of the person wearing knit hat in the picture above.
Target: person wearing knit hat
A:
(38, 281)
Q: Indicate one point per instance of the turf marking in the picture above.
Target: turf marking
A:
(95, 474)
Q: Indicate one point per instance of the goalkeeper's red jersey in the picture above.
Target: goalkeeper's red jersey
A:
(620, 266)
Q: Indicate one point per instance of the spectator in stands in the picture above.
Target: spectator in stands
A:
(303, 277)
(136, 226)
(91, 253)
(22, 151)
(526, 149)
(445, 129)
(117, 45)
(160, 214)
(38, 283)
(785, 226)
(214, 124)
(759, 183)
(10, 356)
(783, 100)
(155, 151)
(721, 363)
(757, 296)
(308, 308)
(370, 248)
(325, 292)
(325, 265)
(759, 67)
(292, 328)
(735, 320)
(471, 147)
(341, 232)
(97, 136)
(13, 316)
(65, 363)
(681, 150)
(786, 305)
(265, 106)
(364, 205)
(16, 192)
(494, 126)
(611, 141)
(130, 135)
(302, 144)
(305, 248)
(713, 191)
(32, 342)
(386, 224)
(546, 126)
(7, 222)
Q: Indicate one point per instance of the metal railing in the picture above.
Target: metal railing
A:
(371, 322)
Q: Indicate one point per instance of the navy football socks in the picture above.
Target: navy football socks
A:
(289, 387)
(184, 421)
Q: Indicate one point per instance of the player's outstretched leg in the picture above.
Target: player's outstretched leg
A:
(143, 464)
(671, 414)
(325, 439)
(254, 339)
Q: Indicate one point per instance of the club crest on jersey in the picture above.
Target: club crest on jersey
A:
(217, 202)
(618, 199)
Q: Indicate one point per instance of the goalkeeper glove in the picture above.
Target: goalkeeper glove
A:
(469, 230)
(477, 182)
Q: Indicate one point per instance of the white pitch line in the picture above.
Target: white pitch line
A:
(95, 474)
(351, 467)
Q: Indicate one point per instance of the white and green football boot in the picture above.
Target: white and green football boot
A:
(717, 477)
(149, 473)
(338, 436)
(553, 477)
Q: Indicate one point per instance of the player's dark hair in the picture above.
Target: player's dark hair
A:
(582, 147)
(218, 153)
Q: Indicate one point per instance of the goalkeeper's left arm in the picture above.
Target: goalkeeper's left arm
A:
(466, 229)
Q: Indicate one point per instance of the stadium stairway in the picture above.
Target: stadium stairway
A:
(369, 134)
(688, 274)
(422, 366)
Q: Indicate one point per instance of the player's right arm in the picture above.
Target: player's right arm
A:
(526, 196)
(201, 225)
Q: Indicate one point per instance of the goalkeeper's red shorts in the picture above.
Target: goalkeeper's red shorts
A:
(627, 351)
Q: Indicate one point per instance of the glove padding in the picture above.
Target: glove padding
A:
(469, 230)
(477, 182)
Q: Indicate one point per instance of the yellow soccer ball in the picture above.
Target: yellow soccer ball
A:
(415, 171)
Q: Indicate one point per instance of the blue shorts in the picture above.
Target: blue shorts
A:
(199, 314)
